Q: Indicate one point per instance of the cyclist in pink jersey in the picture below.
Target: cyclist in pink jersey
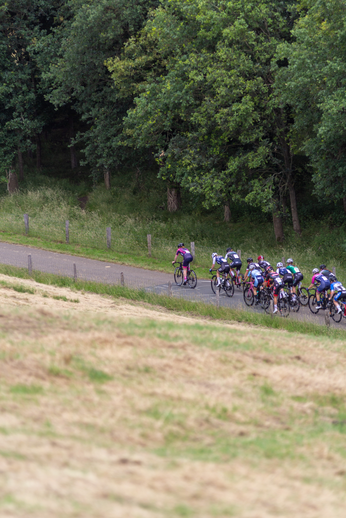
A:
(187, 258)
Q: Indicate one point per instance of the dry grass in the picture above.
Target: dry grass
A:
(111, 410)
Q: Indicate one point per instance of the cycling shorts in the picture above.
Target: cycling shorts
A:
(341, 295)
(224, 268)
(258, 281)
(288, 279)
(187, 260)
(323, 286)
(277, 288)
(298, 277)
(236, 265)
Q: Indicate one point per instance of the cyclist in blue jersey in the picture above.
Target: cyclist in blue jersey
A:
(338, 290)
(256, 275)
(224, 266)
(286, 275)
(187, 258)
(324, 284)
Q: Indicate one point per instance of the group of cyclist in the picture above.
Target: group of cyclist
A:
(262, 274)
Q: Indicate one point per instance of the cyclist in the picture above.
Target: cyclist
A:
(274, 279)
(324, 284)
(338, 290)
(262, 263)
(324, 271)
(297, 274)
(187, 258)
(258, 279)
(287, 276)
(235, 261)
(224, 266)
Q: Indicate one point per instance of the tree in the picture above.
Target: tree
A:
(203, 81)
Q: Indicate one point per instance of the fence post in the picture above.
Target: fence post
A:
(334, 270)
(239, 253)
(74, 272)
(327, 318)
(149, 244)
(193, 249)
(26, 221)
(122, 281)
(109, 236)
(217, 297)
(67, 229)
(29, 264)
(283, 261)
(169, 289)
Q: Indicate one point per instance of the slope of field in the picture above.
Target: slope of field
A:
(110, 409)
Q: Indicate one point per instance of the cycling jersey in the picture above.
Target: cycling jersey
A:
(339, 290)
(297, 274)
(326, 273)
(187, 256)
(264, 265)
(275, 279)
(235, 260)
(257, 277)
(224, 266)
(293, 269)
(183, 251)
(287, 276)
(323, 280)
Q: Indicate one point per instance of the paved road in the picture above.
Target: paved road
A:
(110, 273)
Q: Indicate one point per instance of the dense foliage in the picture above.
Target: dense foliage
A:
(234, 101)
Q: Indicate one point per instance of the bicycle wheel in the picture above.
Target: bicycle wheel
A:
(264, 300)
(192, 279)
(249, 296)
(213, 283)
(240, 281)
(304, 296)
(334, 314)
(313, 303)
(294, 302)
(284, 306)
(228, 286)
(178, 276)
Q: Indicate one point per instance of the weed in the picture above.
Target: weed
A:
(26, 390)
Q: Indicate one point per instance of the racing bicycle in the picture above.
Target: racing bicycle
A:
(179, 276)
(226, 284)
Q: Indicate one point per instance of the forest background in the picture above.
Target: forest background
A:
(208, 120)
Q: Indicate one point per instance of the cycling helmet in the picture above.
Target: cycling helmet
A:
(180, 244)
(260, 258)
(214, 254)
(229, 249)
(332, 277)
(267, 268)
(315, 270)
(249, 260)
(289, 261)
(279, 265)
(252, 266)
(322, 266)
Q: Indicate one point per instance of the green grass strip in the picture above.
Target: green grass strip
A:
(197, 309)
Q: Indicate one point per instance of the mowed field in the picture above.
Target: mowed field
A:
(111, 409)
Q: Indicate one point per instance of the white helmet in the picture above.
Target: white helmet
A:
(289, 261)
(279, 265)
(315, 270)
(213, 255)
(252, 266)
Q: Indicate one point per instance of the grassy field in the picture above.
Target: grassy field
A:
(116, 408)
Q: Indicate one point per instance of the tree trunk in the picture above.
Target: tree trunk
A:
(278, 227)
(294, 210)
(38, 152)
(12, 183)
(173, 199)
(107, 177)
(227, 213)
(74, 161)
(20, 165)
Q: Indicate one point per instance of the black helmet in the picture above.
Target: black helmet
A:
(249, 260)
(229, 249)
(332, 277)
(322, 266)
(180, 244)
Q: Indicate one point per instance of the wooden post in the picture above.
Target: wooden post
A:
(193, 249)
(239, 253)
(29, 264)
(122, 281)
(149, 244)
(74, 272)
(109, 237)
(26, 221)
(169, 289)
(217, 297)
(67, 230)
(283, 261)
(334, 270)
(327, 318)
